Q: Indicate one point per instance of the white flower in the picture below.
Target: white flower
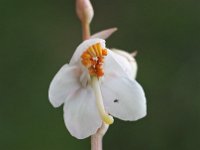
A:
(96, 82)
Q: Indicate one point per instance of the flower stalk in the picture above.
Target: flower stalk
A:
(85, 13)
(85, 30)
(96, 142)
(96, 139)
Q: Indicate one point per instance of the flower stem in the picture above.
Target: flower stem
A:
(85, 30)
(96, 139)
(96, 142)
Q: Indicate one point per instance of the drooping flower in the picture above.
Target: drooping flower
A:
(96, 85)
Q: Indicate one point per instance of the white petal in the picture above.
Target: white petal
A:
(129, 62)
(104, 34)
(84, 46)
(116, 65)
(124, 98)
(80, 114)
(66, 81)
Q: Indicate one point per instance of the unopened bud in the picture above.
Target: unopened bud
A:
(84, 10)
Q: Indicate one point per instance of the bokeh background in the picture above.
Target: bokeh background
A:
(39, 36)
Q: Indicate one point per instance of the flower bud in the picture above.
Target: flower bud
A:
(84, 10)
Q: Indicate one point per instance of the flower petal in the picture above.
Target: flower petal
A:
(80, 114)
(84, 46)
(129, 62)
(104, 34)
(65, 82)
(116, 65)
(124, 98)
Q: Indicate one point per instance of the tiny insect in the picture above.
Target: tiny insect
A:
(116, 101)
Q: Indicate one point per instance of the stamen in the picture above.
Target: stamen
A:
(93, 59)
(97, 52)
(104, 52)
(99, 101)
(91, 51)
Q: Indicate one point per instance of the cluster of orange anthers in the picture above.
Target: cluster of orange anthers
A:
(93, 59)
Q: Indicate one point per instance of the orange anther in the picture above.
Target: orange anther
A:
(93, 59)
(93, 62)
(99, 66)
(92, 71)
(101, 60)
(86, 62)
(86, 55)
(104, 52)
(100, 73)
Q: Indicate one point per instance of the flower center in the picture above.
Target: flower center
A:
(93, 59)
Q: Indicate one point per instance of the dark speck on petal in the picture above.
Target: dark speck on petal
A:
(116, 101)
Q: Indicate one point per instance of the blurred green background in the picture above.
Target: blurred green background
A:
(39, 36)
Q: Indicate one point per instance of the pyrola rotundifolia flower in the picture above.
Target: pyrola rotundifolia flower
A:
(96, 85)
